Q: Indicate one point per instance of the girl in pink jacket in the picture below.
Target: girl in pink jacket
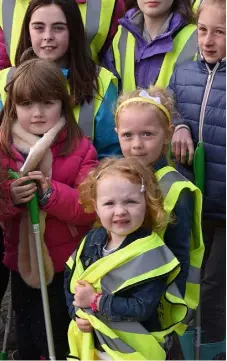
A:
(39, 138)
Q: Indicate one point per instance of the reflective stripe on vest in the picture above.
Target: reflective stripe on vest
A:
(184, 48)
(171, 184)
(96, 16)
(84, 115)
(144, 259)
(12, 14)
(196, 5)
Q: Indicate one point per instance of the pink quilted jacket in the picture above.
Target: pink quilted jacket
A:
(4, 60)
(66, 222)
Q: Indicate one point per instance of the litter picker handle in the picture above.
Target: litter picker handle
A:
(33, 204)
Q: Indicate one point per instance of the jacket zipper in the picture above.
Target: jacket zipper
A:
(205, 98)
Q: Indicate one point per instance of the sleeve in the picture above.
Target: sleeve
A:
(177, 235)
(177, 119)
(141, 304)
(7, 208)
(68, 295)
(4, 60)
(63, 202)
(106, 139)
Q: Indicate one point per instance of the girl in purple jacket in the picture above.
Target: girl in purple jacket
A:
(154, 26)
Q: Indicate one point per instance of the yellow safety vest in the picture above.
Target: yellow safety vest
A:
(171, 184)
(96, 15)
(184, 48)
(144, 259)
(84, 115)
(195, 5)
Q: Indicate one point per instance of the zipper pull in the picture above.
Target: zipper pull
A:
(210, 76)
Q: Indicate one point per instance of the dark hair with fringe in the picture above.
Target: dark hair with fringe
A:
(83, 78)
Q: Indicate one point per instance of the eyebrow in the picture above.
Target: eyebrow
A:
(41, 23)
(216, 26)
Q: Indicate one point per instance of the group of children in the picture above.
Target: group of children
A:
(132, 280)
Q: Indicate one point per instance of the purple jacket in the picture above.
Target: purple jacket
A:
(148, 55)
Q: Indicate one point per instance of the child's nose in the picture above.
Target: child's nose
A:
(120, 210)
(38, 112)
(137, 143)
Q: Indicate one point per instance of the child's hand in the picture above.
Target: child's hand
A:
(84, 325)
(20, 192)
(44, 182)
(84, 293)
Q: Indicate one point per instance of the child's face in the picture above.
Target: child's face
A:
(153, 8)
(120, 205)
(212, 34)
(49, 34)
(38, 118)
(141, 134)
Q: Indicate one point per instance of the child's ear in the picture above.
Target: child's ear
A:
(116, 130)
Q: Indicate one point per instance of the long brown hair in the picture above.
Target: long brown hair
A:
(37, 80)
(83, 78)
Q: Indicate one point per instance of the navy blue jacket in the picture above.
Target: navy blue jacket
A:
(138, 303)
(188, 83)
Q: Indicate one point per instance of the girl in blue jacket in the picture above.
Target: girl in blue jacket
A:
(200, 92)
(54, 30)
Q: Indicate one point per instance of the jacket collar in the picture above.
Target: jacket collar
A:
(99, 237)
(203, 64)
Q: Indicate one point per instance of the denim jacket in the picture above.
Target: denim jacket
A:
(139, 303)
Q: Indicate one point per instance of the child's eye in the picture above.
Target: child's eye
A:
(48, 102)
(201, 28)
(219, 31)
(38, 27)
(130, 201)
(127, 135)
(59, 28)
(26, 103)
(147, 134)
(108, 203)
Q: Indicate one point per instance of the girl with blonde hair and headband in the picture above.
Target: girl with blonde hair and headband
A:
(144, 127)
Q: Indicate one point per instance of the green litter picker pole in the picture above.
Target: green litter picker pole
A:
(33, 207)
(199, 173)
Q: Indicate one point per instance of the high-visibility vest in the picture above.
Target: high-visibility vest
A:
(195, 5)
(96, 15)
(172, 183)
(84, 115)
(142, 260)
(124, 43)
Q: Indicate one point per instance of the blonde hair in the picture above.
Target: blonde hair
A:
(136, 173)
(221, 4)
(166, 100)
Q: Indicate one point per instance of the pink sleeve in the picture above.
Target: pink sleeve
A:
(4, 60)
(63, 202)
(7, 209)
